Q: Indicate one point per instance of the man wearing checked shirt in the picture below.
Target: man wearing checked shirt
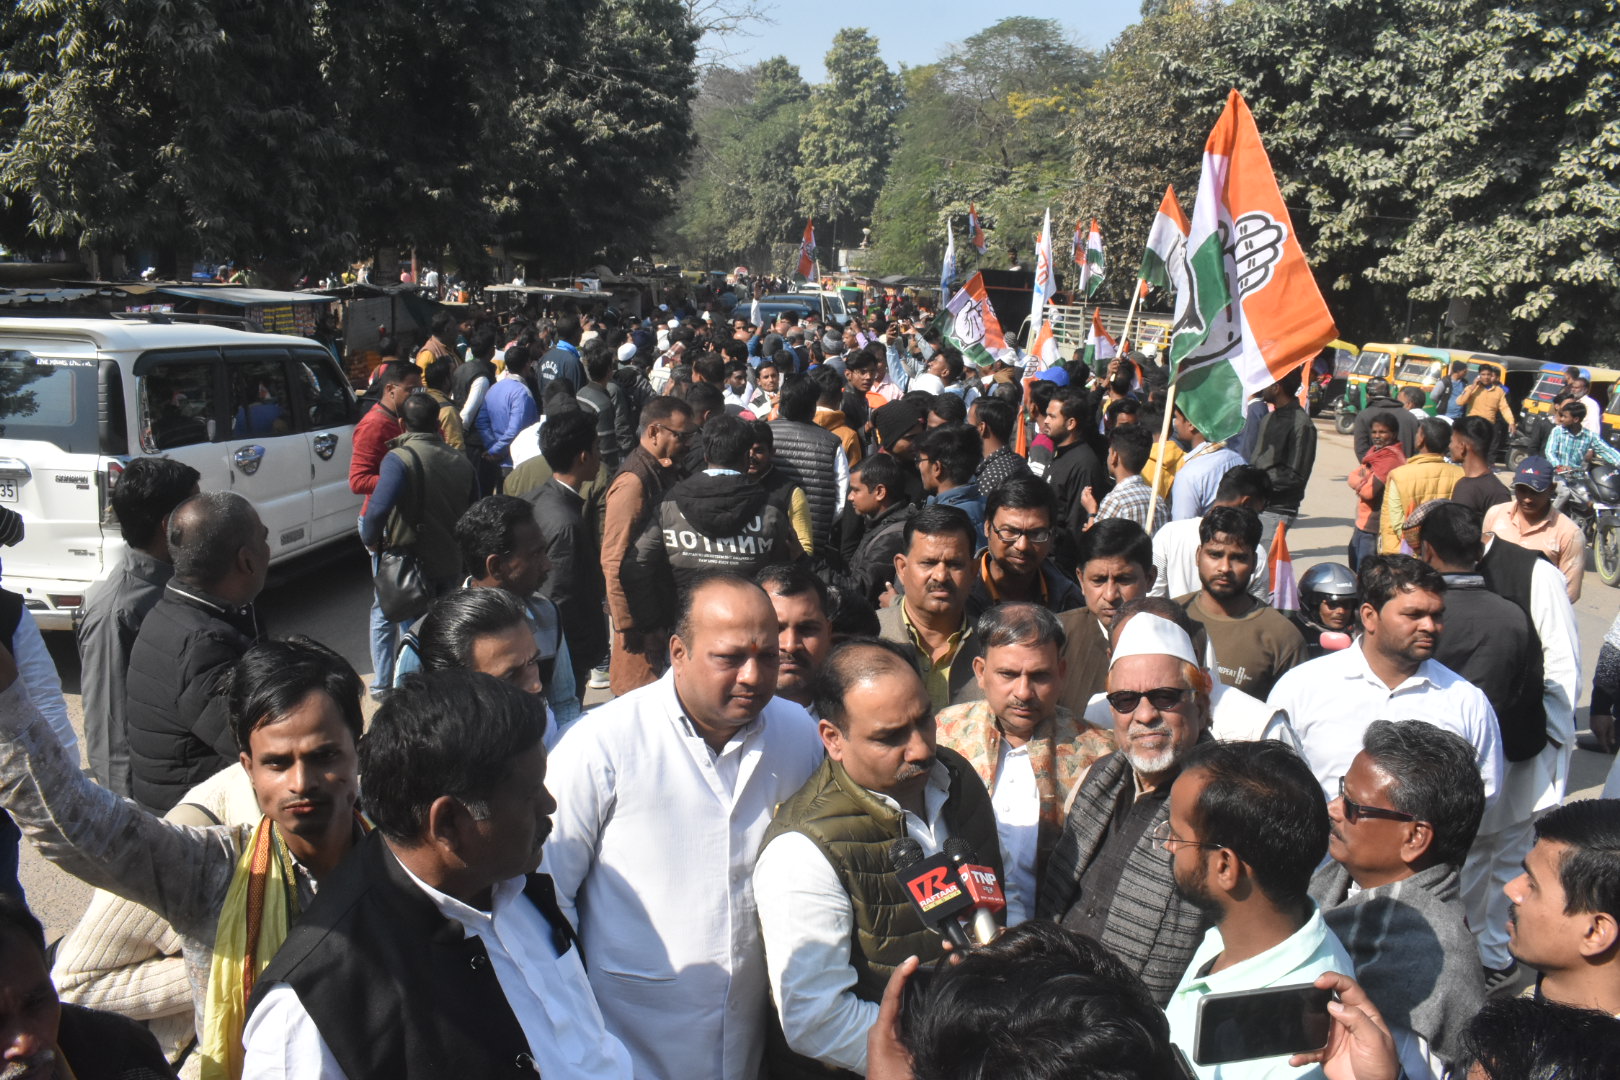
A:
(1572, 445)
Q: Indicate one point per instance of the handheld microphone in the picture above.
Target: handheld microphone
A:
(982, 888)
(932, 886)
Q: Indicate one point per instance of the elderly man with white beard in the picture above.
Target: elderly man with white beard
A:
(1107, 877)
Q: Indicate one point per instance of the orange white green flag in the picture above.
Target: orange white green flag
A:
(970, 323)
(1166, 253)
(1253, 310)
(807, 249)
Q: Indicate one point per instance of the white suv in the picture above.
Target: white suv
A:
(266, 415)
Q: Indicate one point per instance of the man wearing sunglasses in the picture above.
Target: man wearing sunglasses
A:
(1398, 833)
(1106, 877)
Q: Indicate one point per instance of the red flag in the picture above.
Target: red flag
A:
(807, 249)
(975, 232)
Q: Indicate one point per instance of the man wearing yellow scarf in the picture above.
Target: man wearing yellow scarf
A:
(230, 892)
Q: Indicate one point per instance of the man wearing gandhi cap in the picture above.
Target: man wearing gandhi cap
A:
(1106, 877)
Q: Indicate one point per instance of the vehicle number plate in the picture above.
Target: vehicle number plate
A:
(8, 491)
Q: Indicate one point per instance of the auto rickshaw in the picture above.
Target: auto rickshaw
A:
(1329, 373)
(1374, 361)
(1423, 368)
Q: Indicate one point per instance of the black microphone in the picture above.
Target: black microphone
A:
(981, 885)
(933, 887)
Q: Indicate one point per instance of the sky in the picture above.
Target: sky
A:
(910, 32)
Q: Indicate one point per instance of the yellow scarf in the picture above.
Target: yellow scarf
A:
(260, 907)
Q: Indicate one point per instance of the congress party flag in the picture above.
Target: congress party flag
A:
(1253, 311)
(975, 233)
(1165, 259)
(947, 271)
(1100, 345)
(807, 250)
(970, 323)
(1284, 587)
(1093, 264)
(1045, 281)
(1043, 353)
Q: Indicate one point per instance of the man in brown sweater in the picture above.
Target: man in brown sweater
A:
(667, 425)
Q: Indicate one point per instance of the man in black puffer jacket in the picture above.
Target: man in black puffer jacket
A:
(716, 519)
(179, 734)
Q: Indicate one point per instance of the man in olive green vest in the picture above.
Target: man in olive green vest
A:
(835, 919)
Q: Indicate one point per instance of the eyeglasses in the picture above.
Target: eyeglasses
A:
(680, 436)
(1354, 811)
(1163, 836)
(1009, 535)
(1160, 697)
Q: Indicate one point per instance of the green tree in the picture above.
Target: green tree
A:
(741, 194)
(848, 134)
(603, 137)
(1142, 125)
(132, 122)
(985, 126)
(1516, 175)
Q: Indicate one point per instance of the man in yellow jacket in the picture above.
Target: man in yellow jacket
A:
(1426, 475)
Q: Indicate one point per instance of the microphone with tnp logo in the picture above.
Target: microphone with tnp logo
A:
(934, 889)
(982, 887)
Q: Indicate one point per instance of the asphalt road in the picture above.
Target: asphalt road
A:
(330, 601)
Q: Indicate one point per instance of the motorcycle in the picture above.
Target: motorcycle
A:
(1593, 503)
(1528, 441)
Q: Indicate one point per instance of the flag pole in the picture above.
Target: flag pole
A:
(1130, 312)
(1158, 461)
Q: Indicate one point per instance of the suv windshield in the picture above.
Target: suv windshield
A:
(50, 400)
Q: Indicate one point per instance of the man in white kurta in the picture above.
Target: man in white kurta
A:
(664, 796)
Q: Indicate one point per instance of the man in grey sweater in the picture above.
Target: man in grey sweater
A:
(1400, 829)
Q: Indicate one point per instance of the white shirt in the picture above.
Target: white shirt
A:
(808, 920)
(1333, 699)
(549, 995)
(1540, 782)
(1017, 804)
(652, 851)
(1175, 556)
(526, 443)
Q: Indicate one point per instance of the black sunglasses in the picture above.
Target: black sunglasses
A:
(1354, 811)
(1160, 697)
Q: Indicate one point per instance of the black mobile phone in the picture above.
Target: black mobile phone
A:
(1264, 1023)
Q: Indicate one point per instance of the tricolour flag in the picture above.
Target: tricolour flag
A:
(1284, 588)
(970, 323)
(947, 271)
(1045, 281)
(1253, 310)
(1093, 264)
(1164, 262)
(975, 233)
(1043, 353)
(1100, 345)
(807, 250)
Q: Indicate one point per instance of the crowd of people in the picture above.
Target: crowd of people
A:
(710, 657)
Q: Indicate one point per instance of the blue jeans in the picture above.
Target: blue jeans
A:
(384, 643)
(1362, 544)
